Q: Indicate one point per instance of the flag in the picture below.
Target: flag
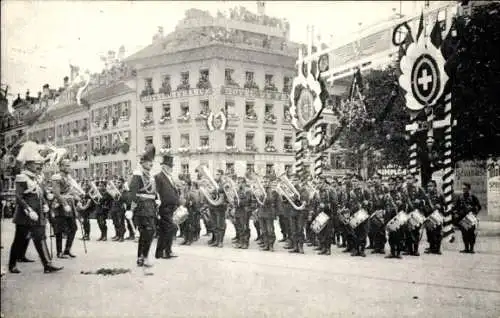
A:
(436, 38)
(356, 85)
(404, 46)
(420, 26)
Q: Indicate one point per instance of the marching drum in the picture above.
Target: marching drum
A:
(469, 221)
(377, 219)
(319, 222)
(358, 218)
(434, 220)
(416, 219)
(180, 215)
(397, 222)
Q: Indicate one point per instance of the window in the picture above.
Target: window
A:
(149, 113)
(230, 108)
(185, 78)
(269, 79)
(148, 87)
(287, 143)
(185, 140)
(184, 108)
(269, 109)
(228, 76)
(185, 168)
(125, 109)
(166, 142)
(229, 168)
(287, 84)
(250, 167)
(269, 140)
(269, 169)
(288, 168)
(166, 111)
(204, 107)
(249, 141)
(250, 110)
(249, 77)
(204, 75)
(230, 139)
(148, 140)
(204, 141)
(165, 85)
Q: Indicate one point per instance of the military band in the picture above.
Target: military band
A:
(344, 212)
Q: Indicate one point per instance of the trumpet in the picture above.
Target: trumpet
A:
(75, 190)
(94, 193)
(286, 189)
(257, 189)
(208, 187)
(113, 190)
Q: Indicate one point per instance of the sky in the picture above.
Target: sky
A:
(41, 38)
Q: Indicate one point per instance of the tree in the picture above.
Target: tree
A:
(474, 69)
(381, 131)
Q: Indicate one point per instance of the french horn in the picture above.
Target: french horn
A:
(285, 188)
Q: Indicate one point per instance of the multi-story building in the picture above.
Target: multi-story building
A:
(216, 91)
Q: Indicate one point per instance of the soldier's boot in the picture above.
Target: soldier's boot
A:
(361, 251)
(328, 250)
(59, 246)
(265, 247)
(220, 242)
(295, 248)
(115, 238)
(212, 240)
(289, 245)
(284, 239)
(301, 248)
(215, 240)
(271, 246)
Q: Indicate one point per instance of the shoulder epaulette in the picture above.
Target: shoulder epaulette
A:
(56, 177)
(22, 178)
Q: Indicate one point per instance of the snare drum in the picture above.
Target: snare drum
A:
(434, 220)
(180, 215)
(377, 219)
(416, 220)
(397, 222)
(319, 222)
(358, 218)
(468, 222)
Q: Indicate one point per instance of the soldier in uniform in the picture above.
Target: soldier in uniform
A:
(195, 200)
(102, 211)
(435, 201)
(268, 212)
(359, 199)
(219, 212)
(119, 205)
(298, 218)
(327, 204)
(171, 199)
(143, 194)
(30, 216)
(65, 213)
(379, 203)
(466, 203)
(243, 213)
(394, 203)
(415, 199)
(85, 209)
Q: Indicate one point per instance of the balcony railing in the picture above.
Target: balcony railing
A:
(164, 119)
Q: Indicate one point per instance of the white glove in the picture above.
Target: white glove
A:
(129, 214)
(158, 202)
(50, 196)
(67, 208)
(33, 216)
(45, 208)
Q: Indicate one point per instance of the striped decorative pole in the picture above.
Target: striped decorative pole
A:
(318, 158)
(413, 165)
(448, 176)
(299, 153)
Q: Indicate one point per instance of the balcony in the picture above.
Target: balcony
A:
(288, 148)
(146, 122)
(179, 93)
(202, 115)
(232, 149)
(270, 148)
(203, 149)
(164, 119)
(184, 118)
(251, 148)
(270, 118)
(183, 150)
(166, 150)
(203, 84)
(254, 93)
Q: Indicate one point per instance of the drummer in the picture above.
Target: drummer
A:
(359, 199)
(435, 202)
(414, 200)
(393, 204)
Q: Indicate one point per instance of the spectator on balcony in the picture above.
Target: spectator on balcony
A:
(251, 114)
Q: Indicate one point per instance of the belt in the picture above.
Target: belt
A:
(146, 196)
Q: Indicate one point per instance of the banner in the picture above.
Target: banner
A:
(493, 190)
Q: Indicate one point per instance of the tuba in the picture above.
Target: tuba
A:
(231, 190)
(257, 188)
(113, 190)
(94, 193)
(75, 189)
(286, 189)
(208, 186)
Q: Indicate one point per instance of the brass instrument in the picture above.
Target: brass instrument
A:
(286, 189)
(257, 188)
(75, 189)
(94, 193)
(208, 187)
(231, 190)
(113, 190)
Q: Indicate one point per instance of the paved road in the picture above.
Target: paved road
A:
(214, 282)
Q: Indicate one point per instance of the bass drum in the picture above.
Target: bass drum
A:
(180, 215)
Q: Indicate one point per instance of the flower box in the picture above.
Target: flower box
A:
(232, 148)
(164, 119)
(183, 150)
(184, 118)
(146, 122)
(165, 151)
